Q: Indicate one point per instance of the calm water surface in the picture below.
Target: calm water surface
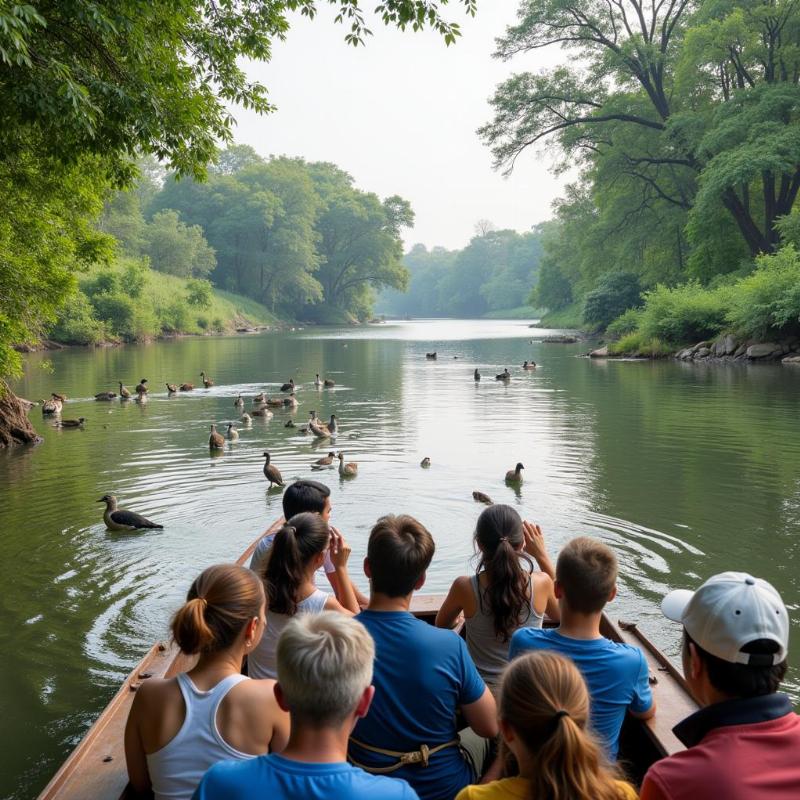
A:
(685, 470)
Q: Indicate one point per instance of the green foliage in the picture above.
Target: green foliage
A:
(570, 318)
(494, 272)
(76, 322)
(626, 323)
(684, 314)
(176, 248)
(768, 301)
(615, 293)
(553, 291)
(638, 346)
(199, 293)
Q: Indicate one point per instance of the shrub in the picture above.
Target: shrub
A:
(768, 300)
(614, 294)
(684, 314)
(637, 345)
(76, 323)
(176, 317)
(199, 292)
(625, 323)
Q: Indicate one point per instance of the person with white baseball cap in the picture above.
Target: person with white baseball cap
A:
(744, 742)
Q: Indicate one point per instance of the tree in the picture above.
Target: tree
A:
(176, 248)
(683, 100)
(235, 158)
(615, 293)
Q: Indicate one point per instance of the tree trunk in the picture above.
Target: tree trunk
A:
(15, 427)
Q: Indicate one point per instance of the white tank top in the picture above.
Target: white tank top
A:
(176, 769)
(263, 661)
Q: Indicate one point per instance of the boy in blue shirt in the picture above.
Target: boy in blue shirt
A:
(423, 676)
(324, 682)
(616, 674)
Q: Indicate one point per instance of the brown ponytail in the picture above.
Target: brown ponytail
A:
(499, 537)
(304, 536)
(220, 602)
(543, 697)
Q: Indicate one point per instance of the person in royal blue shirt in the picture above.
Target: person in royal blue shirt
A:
(324, 682)
(616, 674)
(423, 676)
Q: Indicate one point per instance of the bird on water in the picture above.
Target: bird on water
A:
(325, 461)
(347, 470)
(105, 396)
(232, 434)
(207, 382)
(71, 423)
(120, 519)
(515, 475)
(271, 472)
(505, 375)
(216, 441)
(238, 402)
(425, 463)
(476, 375)
(124, 393)
(480, 497)
(328, 383)
(51, 406)
(141, 387)
(317, 382)
(247, 420)
(186, 387)
(288, 387)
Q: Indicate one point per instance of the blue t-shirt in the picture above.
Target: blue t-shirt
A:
(615, 673)
(422, 676)
(279, 778)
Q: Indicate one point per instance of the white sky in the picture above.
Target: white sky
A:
(400, 116)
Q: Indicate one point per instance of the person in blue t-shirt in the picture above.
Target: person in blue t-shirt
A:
(423, 676)
(324, 682)
(616, 674)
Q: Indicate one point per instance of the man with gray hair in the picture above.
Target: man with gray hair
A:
(325, 683)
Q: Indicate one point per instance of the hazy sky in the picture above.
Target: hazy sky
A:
(400, 116)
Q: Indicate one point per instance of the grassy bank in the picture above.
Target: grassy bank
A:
(129, 302)
(570, 317)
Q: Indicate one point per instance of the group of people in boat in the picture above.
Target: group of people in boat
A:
(350, 697)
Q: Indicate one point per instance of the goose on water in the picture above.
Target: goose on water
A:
(120, 519)
(260, 398)
(207, 382)
(505, 375)
(186, 387)
(141, 387)
(247, 420)
(271, 472)
(141, 397)
(238, 402)
(290, 401)
(529, 365)
(325, 461)
(290, 424)
(60, 397)
(232, 434)
(105, 396)
(216, 441)
(274, 402)
(430, 356)
(51, 406)
(262, 411)
(124, 394)
(71, 423)
(347, 470)
(288, 387)
(328, 383)
(425, 463)
(515, 475)
(480, 497)
(171, 388)
(476, 375)
(317, 382)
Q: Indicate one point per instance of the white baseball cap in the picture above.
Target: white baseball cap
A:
(729, 611)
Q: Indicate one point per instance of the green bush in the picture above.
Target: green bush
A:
(199, 292)
(614, 294)
(684, 314)
(76, 323)
(768, 301)
(625, 323)
(637, 345)
(177, 318)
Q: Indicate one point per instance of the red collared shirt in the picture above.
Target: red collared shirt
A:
(737, 750)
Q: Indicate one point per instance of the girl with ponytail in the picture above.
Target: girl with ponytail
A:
(297, 552)
(179, 727)
(505, 593)
(543, 712)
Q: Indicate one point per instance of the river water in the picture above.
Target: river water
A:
(686, 470)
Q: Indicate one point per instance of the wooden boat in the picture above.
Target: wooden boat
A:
(96, 767)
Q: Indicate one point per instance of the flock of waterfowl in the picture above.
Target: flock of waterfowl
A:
(122, 519)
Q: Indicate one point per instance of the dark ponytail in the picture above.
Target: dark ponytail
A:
(220, 602)
(304, 536)
(499, 537)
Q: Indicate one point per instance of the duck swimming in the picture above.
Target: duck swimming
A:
(317, 382)
(171, 388)
(238, 402)
(120, 519)
(186, 387)
(247, 420)
(476, 376)
(71, 423)
(325, 461)
(505, 375)
(515, 475)
(425, 463)
(207, 382)
(347, 470)
(328, 383)
(105, 396)
(271, 472)
(124, 394)
(232, 435)
(529, 365)
(51, 406)
(480, 497)
(141, 387)
(288, 387)
(216, 441)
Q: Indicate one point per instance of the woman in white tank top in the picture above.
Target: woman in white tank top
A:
(297, 552)
(179, 727)
(503, 595)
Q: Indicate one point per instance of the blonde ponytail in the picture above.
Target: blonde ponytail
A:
(543, 697)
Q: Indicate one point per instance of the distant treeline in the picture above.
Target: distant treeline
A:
(297, 237)
(494, 272)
